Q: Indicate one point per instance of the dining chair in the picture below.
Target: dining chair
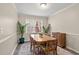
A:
(34, 46)
(31, 43)
(50, 47)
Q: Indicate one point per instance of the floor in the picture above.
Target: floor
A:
(24, 49)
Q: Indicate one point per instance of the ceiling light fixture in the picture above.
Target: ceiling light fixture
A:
(44, 5)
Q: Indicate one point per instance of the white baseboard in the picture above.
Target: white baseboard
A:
(72, 49)
(14, 49)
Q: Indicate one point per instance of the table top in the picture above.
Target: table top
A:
(37, 38)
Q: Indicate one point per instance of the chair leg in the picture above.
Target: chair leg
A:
(33, 50)
(31, 47)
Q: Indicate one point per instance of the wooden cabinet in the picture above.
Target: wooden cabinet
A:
(61, 38)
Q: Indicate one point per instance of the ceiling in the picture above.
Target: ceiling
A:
(35, 9)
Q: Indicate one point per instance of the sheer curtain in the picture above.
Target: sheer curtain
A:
(31, 23)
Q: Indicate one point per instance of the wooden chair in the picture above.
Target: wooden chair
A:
(50, 47)
(34, 47)
(31, 43)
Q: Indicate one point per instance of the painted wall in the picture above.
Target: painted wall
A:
(8, 36)
(67, 20)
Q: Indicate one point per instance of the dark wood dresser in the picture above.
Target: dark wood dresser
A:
(61, 38)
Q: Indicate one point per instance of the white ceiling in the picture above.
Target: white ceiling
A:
(35, 9)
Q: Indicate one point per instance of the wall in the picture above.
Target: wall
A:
(31, 21)
(67, 20)
(8, 36)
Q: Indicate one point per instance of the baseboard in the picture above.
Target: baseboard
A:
(72, 50)
(14, 49)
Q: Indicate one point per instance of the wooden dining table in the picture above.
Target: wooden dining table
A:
(44, 38)
(40, 40)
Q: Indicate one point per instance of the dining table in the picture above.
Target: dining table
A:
(40, 39)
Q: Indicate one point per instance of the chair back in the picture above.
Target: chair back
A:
(51, 43)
